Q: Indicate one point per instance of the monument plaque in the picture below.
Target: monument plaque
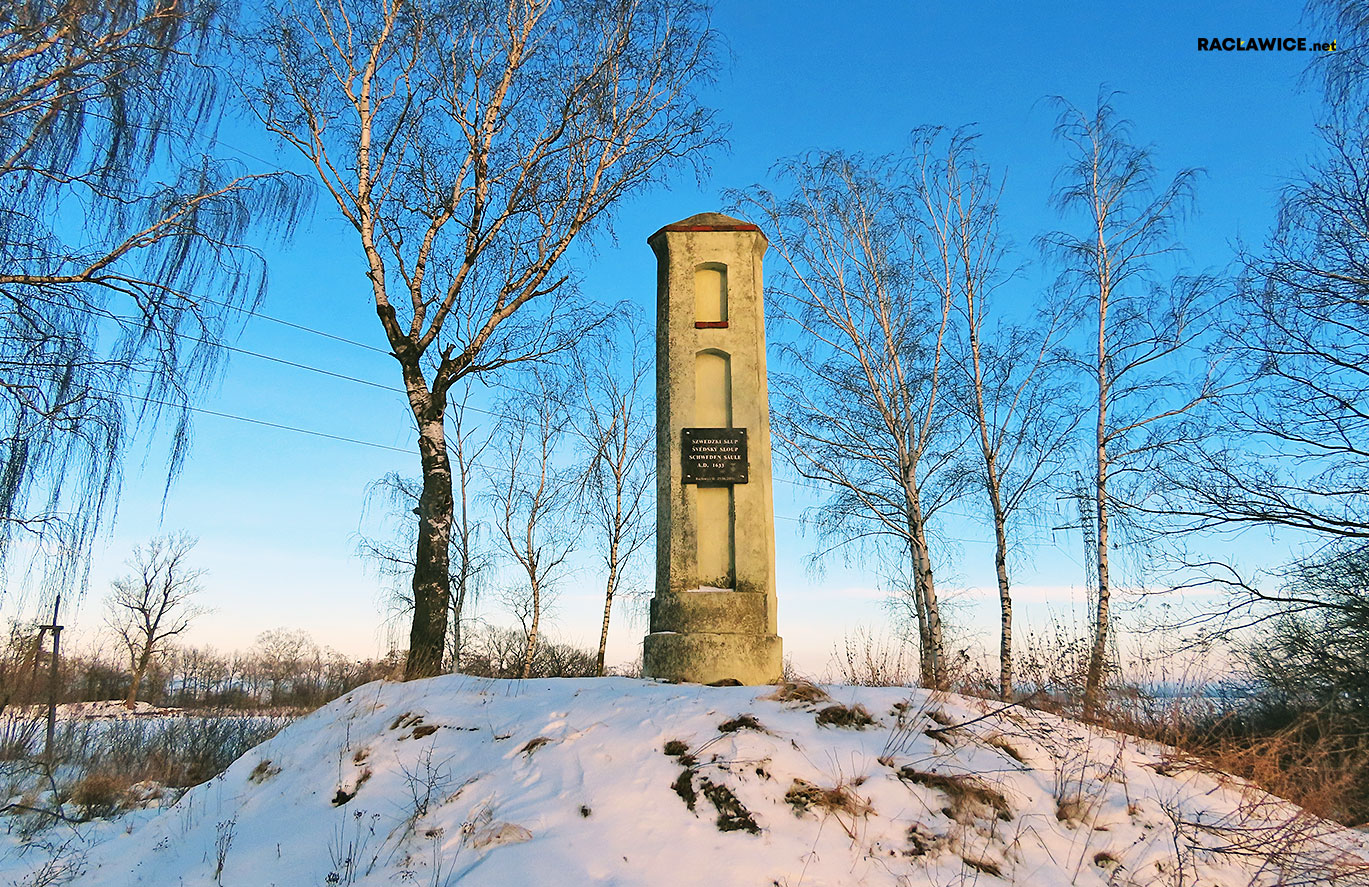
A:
(714, 455)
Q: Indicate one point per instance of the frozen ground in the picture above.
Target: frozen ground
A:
(457, 780)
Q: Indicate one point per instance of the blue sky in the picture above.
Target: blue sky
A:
(277, 513)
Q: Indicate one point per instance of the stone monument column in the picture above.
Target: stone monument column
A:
(713, 615)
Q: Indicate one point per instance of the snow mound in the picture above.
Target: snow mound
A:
(457, 780)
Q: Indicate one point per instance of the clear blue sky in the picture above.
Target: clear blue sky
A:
(277, 513)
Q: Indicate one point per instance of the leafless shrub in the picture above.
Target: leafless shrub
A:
(869, 660)
(224, 832)
(101, 795)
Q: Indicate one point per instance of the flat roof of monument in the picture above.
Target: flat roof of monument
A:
(708, 222)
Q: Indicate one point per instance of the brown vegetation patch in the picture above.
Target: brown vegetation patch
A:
(425, 730)
(406, 720)
(969, 796)
(941, 736)
(532, 745)
(999, 742)
(798, 693)
(742, 722)
(987, 866)
(684, 787)
(263, 771)
(101, 795)
(343, 796)
(732, 814)
(678, 748)
(804, 796)
(919, 843)
(853, 717)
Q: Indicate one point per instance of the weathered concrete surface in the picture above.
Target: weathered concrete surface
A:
(711, 373)
(707, 658)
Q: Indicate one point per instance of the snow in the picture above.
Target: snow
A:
(457, 780)
(104, 709)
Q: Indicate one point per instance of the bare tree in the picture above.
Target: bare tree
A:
(468, 561)
(470, 144)
(154, 604)
(1291, 448)
(531, 498)
(869, 310)
(613, 420)
(285, 658)
(1020, 419)
(1148, 327)
(116, 221)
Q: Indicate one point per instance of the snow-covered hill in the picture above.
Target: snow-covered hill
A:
(457, 780)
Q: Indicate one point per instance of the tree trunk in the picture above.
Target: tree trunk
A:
(1097, 655)
(531, 649)
(924, 586)
(139, 669)
(432, 561)
(610, 587)
(1000, 562)
(463, 537)
(932, 660)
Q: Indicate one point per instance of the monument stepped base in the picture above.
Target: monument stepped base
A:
(709, 657)
(722, 611)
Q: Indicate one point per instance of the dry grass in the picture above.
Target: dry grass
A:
(840, 802)
(851, 717)
(804, 796)
(872, 660)
(1315, 762)
(799, 692)
(101, 795)
(969, 796)
(742, 722)
(263, 771)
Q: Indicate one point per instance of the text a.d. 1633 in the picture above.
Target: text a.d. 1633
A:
(714, 455)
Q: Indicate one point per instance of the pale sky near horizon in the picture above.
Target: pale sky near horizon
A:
(277, 513)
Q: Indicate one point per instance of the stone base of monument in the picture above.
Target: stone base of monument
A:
(708, 636)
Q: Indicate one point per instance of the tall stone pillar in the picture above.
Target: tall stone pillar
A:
(713, 615)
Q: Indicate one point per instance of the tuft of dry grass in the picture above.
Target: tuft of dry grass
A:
(970, 797)
(804, 796)
(102, 794)
(533, 745)
(1000, 742)
(263, 771)
(852, 717)
(798, 692)
(742, 722)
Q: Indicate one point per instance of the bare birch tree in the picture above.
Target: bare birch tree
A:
(532, 497)
(861, 413)
(469, 144)
(1148, 326)
(614, 423)
(1019, 418)
(154, 604)
(469, 558)
(117, 223)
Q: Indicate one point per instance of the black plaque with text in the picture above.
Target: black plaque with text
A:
(714, 455)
